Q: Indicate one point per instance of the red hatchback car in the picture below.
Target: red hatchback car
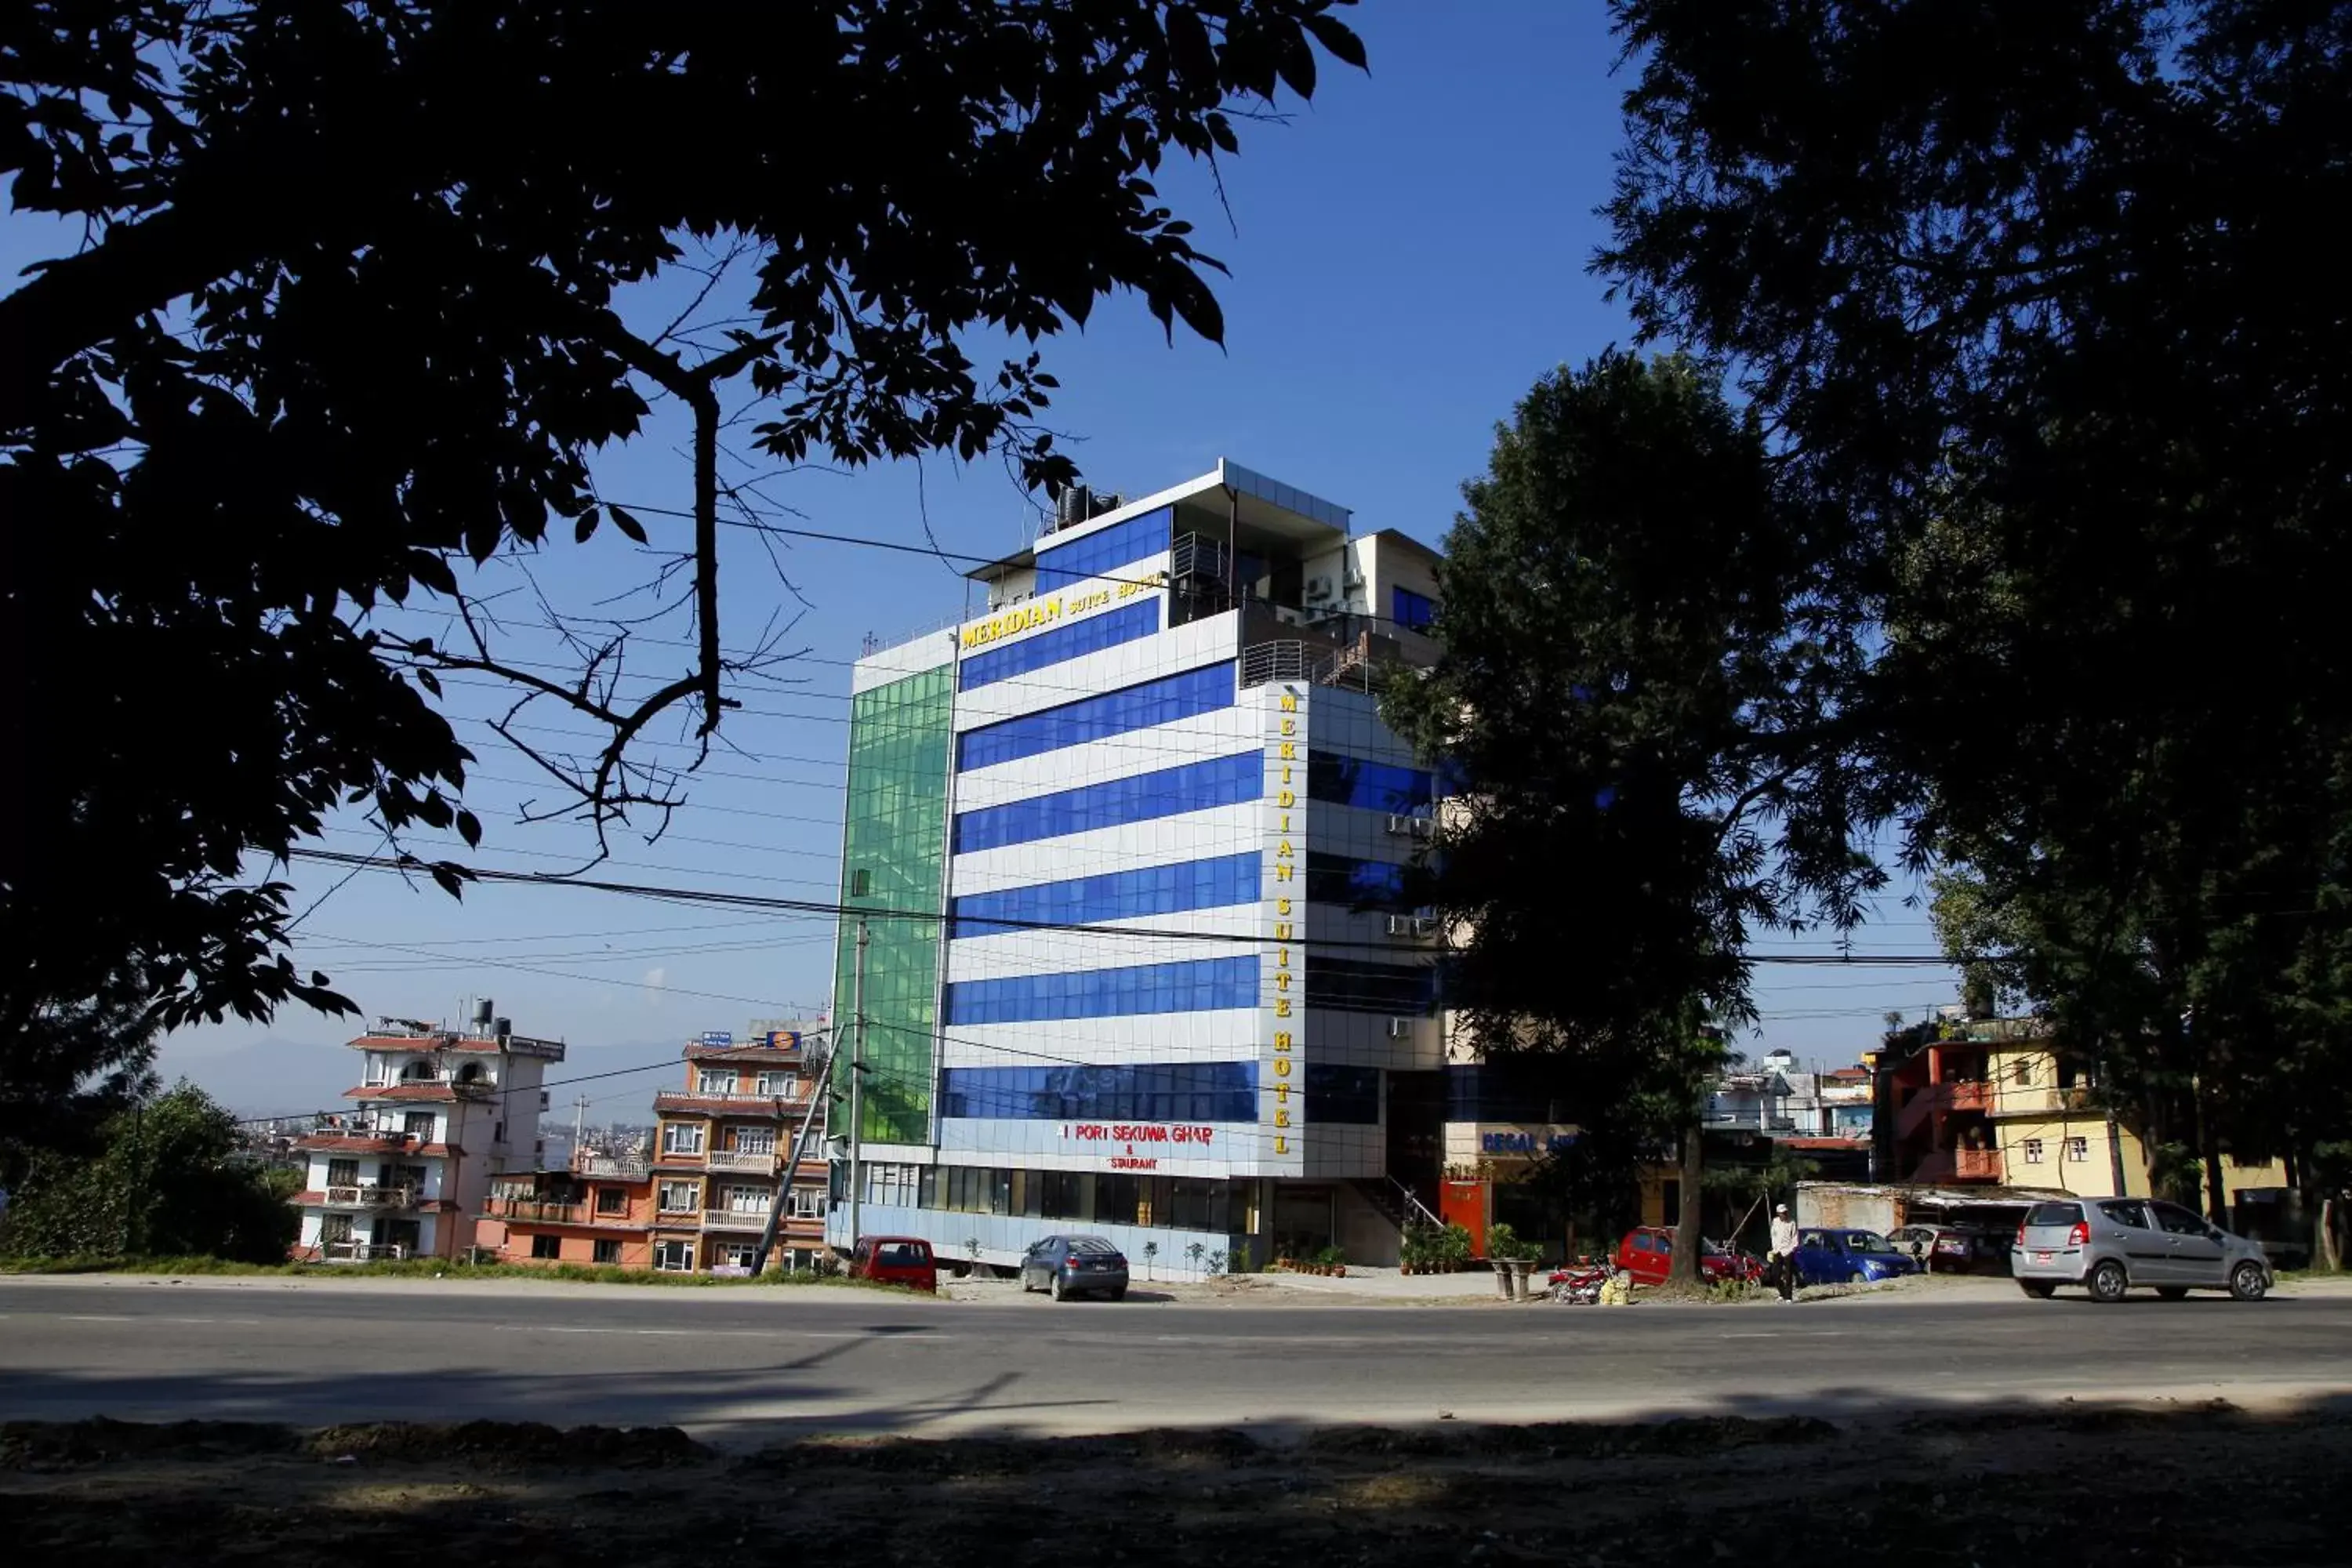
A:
(1648, 1251)
(896, 1260)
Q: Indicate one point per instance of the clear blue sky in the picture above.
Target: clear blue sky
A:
(1408, 255)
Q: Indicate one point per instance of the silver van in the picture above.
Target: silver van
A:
(2110, 1245)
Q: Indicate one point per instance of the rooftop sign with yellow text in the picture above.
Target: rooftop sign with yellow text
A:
(1038, 614)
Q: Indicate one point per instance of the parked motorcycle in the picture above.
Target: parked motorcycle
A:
(1579, 1284)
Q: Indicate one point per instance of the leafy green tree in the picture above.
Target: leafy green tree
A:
(1653, 768)
(168, 1181)
(71, 1068)
(345, 298)
(2040, 332)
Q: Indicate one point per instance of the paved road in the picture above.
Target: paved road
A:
(743, 1366)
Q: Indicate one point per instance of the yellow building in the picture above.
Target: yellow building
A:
(2050, 1134)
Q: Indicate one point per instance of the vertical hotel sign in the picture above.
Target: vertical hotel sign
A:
(1281, 963)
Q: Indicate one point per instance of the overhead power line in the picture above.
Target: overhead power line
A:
(715, 898)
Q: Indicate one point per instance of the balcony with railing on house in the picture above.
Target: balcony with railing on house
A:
(735, 1219)
(621, 1167)
(748, 1101)
(536, 1211)
(1949, 1097)
(371, 1196)
(1748, 1119)
(350, 1249)
(2041, 1100)
(1941, 1167)
(758, 1162)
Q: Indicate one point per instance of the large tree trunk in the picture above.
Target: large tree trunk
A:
(2209, 1144)
(2330, 1251)
(1685, 1264)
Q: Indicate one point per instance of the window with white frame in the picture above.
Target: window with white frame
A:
(674, 1257)
(748, 1200)
(755, 1140)
(2033, 1147)
(2078, 1150)
(807, 1202)
(682, 1137)
(736, 1254)
(716, 1080)
(893, 1185)
(774, 1083)
(681, 1197)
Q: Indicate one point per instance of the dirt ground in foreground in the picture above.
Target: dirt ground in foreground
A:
(2204, 1485)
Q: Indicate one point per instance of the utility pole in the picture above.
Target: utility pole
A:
(579, 1120)
(856, 1083)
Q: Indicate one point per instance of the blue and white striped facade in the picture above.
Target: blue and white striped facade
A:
(1154, 979)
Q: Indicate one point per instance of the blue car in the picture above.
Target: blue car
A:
(1849, 1257)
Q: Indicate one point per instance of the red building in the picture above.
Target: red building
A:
(1931, 1122)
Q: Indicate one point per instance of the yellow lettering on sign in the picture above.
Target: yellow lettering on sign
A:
(1282, 930)
(1282, 850)
(1282, 1067)
(1282, 1006)
(1282, 1118)
(1282, 1094)
(1285, 775)
(1282, 906)
(1282, 982)
(1285, 827)
(1289, 752)
(1282, 958)
(1285, 799)
(1290, 726)
(1282, 1039)
(1290, 702)
(1282, 873)
(1281, 1144)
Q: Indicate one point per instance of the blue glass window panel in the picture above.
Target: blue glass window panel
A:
(1376, 786)
(1174, 1091)
(1112, 896)
(1161, 702)
(1349, 985)
(1090, 636)
(1343, 1094)
(1167, 792)
(1095, 554)
(1191, 985)
(1413, 611)
(1358, 884)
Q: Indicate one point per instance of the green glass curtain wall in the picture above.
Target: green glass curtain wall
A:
(893, 852)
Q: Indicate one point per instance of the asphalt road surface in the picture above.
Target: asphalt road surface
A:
(739, 1366)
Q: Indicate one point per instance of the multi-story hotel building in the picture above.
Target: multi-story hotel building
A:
(1130, 845)
(719, 1146)
(407, 1172)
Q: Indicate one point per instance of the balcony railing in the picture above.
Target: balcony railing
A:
(628, 1167)
(688, 1098)
(351, 1250)
(371, 1196)
(763, 1162)
(1968, 1094)
(534, 1209)
(735, 1219)
(1976, 1164)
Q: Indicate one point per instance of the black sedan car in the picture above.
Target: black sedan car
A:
(1067, 1265)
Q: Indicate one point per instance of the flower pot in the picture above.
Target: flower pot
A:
(1502, 1279)
(1521, 1269)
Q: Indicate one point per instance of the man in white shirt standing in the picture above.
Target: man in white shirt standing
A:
(1784, 1253)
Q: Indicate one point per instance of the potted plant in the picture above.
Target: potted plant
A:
(1454, 1249)
(1332, 1261)
(1502, 1245)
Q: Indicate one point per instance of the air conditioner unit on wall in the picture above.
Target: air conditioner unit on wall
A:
(1400, 1028)
(1319, 590)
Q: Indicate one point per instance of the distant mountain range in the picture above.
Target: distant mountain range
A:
(276, 1075)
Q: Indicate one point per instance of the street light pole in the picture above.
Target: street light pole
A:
(856, 1083)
